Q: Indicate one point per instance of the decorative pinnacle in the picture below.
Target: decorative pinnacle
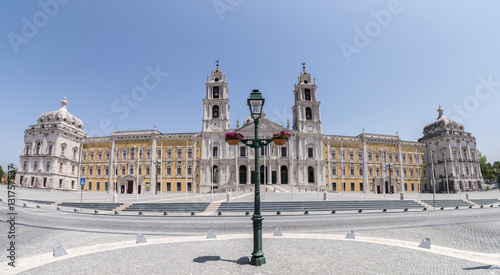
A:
(64, 102)
(440, 111)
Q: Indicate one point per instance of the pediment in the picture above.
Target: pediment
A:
(266, 128)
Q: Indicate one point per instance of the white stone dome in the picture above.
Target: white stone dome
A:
(61, 115)
(442, 123)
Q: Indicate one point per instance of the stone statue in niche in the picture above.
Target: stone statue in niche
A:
(273, 151)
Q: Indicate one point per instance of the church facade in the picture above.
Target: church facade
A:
(57, 153)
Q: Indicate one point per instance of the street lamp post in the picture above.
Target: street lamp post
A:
(157, 163)
(390, 178)
(255, 103)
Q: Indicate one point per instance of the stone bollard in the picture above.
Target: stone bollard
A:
(325, 196)
(228, 195)
(401, 196)
(467, 196)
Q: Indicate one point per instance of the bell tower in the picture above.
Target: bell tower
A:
(306, 111)
(216, 103)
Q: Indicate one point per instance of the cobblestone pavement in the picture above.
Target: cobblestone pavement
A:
(93, 241)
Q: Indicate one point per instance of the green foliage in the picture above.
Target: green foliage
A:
(2, 173)
(488, 169)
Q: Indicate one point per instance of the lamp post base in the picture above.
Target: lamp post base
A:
(258, 261)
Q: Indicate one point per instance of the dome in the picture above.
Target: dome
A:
(61, 115)
(442, 122)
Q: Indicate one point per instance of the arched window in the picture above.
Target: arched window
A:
(215, 92)
(284, 174)
(243, 174)
(308, 113)
(38, 145)
(215, 111)
(310, 174)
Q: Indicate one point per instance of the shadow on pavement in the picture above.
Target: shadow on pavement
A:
(204, 259)
(482, 267)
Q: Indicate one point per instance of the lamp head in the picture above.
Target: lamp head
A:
(255, 103)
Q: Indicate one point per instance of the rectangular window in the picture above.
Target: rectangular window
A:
(417, 159)
(90, 186)
(352, 187)
(190, 186)
(370, 156)
(396, 156)
(334, 155)
(283, 151)
(307, 94)
(106, 186)
(334, 170)
(108, 154)
(50, 149)
(310, 152)
(98, 186)
(91, 156)
(351, 155)
(47, 166)
(140, 170)
(179, 187)
(360, 171)
(83, 171)
(390, 156)
(169, 170)
(361, 187)
(75, 151)
(98, 170)
(376, 156)
(158, 154)
(404, 172)
(360, 155)
(403, 157)
(342, 154)
(72, 169)
(106, 170)
(99, 155)
(148, 153)
(91, 170)
(179, 170)
(60, 183)
(124, 154)
(131, 170)
(411, 172)
(190, 153)
(370, 171)
(410, 158)
(84, 155)
(243, 151)
(123, 170)
(117, 153)
(169, 186)
(179, 153)
(140, 154)
(215, 91)
(383, 157)
(397, 172)
(378, 172)
(352, 171)
(35, 165)
(169, 153)
(60, 167)
(412, 186)
(148, 170)
(132, 153)
(215, 151)
(343, 170)
(189, 170)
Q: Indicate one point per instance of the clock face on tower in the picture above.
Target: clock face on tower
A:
(214, 124)
(309, 127)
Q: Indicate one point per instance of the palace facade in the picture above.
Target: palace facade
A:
(57, 153)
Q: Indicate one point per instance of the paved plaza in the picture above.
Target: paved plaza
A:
(463, 241)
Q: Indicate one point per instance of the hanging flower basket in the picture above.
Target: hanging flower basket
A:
(233, 138)
(281, 138)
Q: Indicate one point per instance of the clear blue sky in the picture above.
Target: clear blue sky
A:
(380, 65)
